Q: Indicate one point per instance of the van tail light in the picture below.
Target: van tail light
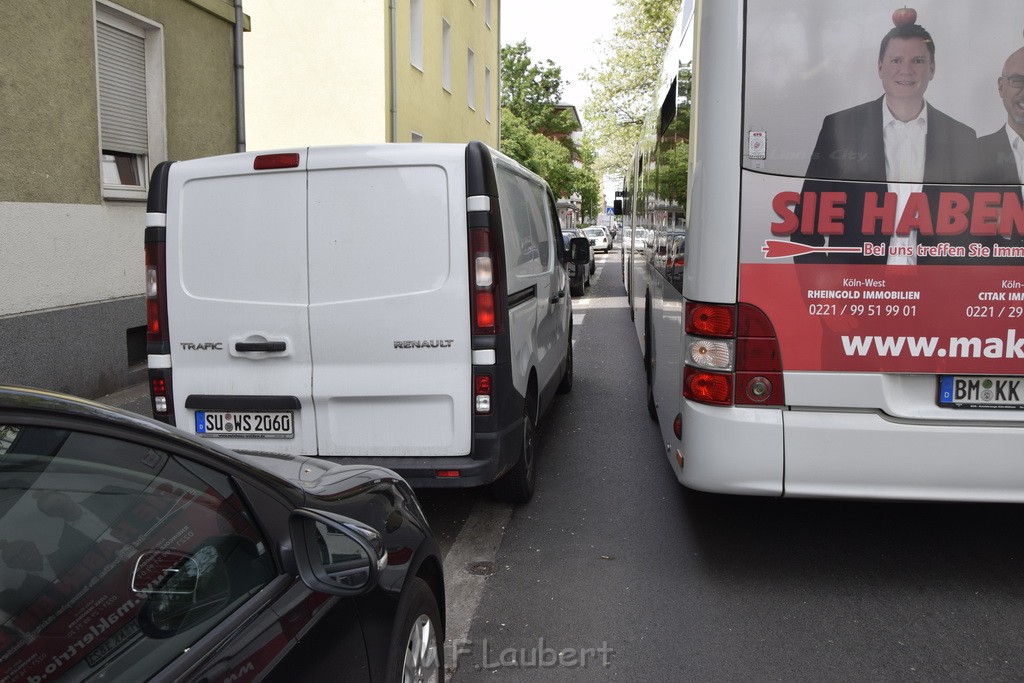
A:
(486, 282)
(482, 394)
(156, 294)
(732, 356)
(158, 340)
(161, 399)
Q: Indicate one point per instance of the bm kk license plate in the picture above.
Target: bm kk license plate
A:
(966, 391)
(270, 425)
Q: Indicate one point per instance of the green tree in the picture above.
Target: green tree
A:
(587, 184)
(533, 90)
(536, 133)
(539, 153)
(622, 87)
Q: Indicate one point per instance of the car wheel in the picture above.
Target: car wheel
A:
(517, 485)
(565, 386)
(417, 652)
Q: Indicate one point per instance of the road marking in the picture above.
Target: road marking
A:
(477, 542)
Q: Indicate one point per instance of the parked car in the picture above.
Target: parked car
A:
(638, 244)
(579, 275)
(599, 239)
(440, 372)
(133, 551)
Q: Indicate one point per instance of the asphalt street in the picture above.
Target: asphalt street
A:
(615, 572)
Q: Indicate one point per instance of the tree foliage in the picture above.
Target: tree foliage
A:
(536, 133)
(622, 87)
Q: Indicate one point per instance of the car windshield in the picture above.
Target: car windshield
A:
(594, 232)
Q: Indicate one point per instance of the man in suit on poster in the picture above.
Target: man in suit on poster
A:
(999, 160)
(1001, 154)
(896, 143)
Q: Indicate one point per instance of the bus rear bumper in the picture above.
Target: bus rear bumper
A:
(858, 455)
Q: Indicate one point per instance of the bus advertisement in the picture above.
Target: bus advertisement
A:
(834, 301)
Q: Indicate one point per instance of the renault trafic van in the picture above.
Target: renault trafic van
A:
(405, 305)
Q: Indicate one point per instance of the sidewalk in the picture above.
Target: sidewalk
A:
(134, 399)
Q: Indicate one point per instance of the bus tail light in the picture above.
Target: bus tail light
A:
(732, 356)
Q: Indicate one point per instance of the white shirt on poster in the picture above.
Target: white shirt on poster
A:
(904, 169)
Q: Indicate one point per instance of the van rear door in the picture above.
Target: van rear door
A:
(237, 302)
(389, 300)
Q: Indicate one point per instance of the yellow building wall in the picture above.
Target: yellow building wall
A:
(318, 73)
(424, 105)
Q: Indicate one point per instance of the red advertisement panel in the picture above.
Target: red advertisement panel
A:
(952, 304)
(877, 318)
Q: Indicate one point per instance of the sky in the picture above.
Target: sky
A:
(568, 32)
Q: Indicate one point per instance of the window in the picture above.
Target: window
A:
(446, 55)
(487, 13)
(416, 33)
(416, 137)
(105, 542)
(487, 94)
(471, 79)
(129, 70)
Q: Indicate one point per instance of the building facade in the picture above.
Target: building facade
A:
(321, 72)
(94, 94)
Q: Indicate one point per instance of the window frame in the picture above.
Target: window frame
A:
(487, 93)
(446, 55)
(471, 78)
(152, 35)
(416, 34)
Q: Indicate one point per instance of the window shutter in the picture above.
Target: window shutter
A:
(122, 79)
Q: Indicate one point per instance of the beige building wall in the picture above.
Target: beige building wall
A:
(315, 72)
(319, 73)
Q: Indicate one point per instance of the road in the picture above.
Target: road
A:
(615, 572)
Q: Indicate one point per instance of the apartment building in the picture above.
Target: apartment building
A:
(94, 94)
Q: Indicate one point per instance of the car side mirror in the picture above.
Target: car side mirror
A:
(336, 554)
(579, 250)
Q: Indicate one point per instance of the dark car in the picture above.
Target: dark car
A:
(579, 275)
(130, 551)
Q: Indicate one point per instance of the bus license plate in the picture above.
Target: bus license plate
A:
(967, 391)
(275, 425)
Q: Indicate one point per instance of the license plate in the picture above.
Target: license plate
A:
(966, 391)
(274, 425)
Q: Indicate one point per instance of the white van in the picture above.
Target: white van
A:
(405, 305)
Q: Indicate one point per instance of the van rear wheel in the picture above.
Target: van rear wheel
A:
(517, 485)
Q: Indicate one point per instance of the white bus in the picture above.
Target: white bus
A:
(832, 303)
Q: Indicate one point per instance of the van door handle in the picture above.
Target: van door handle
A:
(270, 346)
(554, 299)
